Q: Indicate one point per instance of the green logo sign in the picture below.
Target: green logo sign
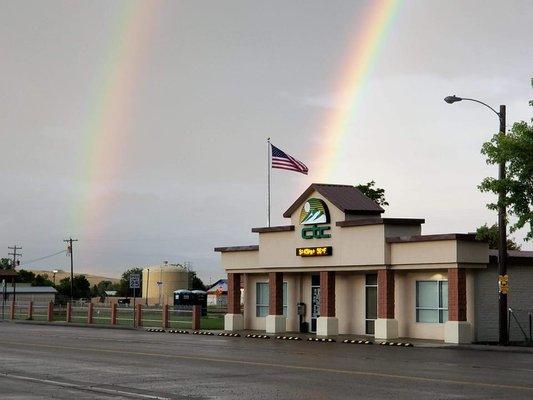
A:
(315, 212)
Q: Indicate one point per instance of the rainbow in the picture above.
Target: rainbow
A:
(109, 112)
(373, 28)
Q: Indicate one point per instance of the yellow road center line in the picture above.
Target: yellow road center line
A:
(285, 366)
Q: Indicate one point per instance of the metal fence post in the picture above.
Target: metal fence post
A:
(30, 310)
(196, 314)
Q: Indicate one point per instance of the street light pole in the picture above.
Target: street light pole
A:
(502, 229)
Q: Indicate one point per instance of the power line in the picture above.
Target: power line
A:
(42, 258)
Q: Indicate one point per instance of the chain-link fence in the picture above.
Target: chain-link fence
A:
(521, 326)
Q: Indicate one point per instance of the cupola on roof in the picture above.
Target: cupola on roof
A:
(346, 198)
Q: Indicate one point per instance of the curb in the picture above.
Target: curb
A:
(350, 341)
(254, 336)
(288, 337)
(324, 340)
(398, 344)
(177, 331)
(202, 333)
(229, 334)
(155, 330)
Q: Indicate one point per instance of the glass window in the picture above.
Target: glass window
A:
(432, 301)
(371, 302)
(262, 299)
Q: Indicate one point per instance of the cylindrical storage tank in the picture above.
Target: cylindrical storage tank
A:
(160, 282)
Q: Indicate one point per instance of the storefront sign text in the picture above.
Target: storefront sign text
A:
(314, 251)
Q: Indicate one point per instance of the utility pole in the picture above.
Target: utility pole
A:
(14, 264)
(503, 278)
(70, 250)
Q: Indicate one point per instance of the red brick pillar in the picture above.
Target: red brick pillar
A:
(275, 293)
(386, 294)
(327, 294)
(69, 312)
(90, 311)
(165, 320)
(234, 293)
(50, 313)
(196, 314)
(30, 310)
(12, 310)
(139, 314)
(114, 314)
(456, 294)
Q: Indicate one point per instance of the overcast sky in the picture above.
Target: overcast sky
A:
(207, 82)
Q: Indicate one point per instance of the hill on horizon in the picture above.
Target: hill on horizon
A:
(93, 279)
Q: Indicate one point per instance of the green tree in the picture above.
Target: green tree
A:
(516, 148)
(24, 276)
(196, 283)
(375, 193)
(124, 284)
(491, 235)
(81, 286)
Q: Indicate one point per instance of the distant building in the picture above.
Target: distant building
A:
(25, 292)
(217, 295)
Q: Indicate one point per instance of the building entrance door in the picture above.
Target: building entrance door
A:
(315, 301)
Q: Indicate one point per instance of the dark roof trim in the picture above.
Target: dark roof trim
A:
(236, 248)
(379, 221)
(514, 257)
(285, 228)
(346, 198)
(463, 237)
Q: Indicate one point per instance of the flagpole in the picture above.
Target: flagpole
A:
(269, 160)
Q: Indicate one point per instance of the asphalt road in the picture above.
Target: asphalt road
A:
(45, 362)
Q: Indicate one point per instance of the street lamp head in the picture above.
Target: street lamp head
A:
(452, 99)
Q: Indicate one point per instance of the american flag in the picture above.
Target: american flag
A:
(282, 160)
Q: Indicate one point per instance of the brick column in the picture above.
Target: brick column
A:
(234, 320)
(327, 294)
(456, 294)
(114, 314)
(275, 293)
(30, 310)
(196, 314)
(69, 312)
(139, 315)
(234, 293)
(90, 311)
(50, 312)
(164, 319)
(12, 310)
(386, 294)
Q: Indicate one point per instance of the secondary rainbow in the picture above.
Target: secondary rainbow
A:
(363, 53)
(110, 114)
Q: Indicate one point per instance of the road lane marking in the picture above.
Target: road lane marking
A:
(274, 365)
(83, 387)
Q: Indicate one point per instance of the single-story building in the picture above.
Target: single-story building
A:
(339, 267)
(25, 292)
(217, 295)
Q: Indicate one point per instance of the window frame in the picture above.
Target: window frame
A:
(266, 306)
(441, 310)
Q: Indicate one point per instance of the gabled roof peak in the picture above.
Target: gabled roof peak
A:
(346, 198)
